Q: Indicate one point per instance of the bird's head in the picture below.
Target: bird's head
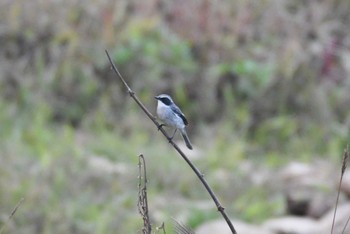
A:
(165, 99)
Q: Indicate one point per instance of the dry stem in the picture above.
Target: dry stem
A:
(142, 203)
(344, 164)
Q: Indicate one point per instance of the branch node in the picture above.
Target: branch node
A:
(221, 208)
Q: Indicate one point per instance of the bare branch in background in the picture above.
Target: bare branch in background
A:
(12, 214)
(344, 165)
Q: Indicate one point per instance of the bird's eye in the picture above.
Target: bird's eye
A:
(166, 101)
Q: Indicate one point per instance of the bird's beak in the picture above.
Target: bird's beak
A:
(156, 97)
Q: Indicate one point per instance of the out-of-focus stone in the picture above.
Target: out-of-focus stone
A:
(298, 201)
(345, 186)
(318, 174)
(309, 188)
(220, 226)
(342, 215)
(320, 203)
(290, 224)
(309, 201)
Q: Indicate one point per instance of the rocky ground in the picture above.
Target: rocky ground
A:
(310, 195)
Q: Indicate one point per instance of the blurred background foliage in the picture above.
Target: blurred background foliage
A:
(261, 82)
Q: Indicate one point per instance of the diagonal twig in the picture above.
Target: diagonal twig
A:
(200, 176)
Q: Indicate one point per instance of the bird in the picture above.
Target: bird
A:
(172, 116)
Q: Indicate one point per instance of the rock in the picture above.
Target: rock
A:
(309, 201)
(220, 226)
(295, 170)
(309, 189)
(290, 224)
(345, 186)
(318, 174)
(342, 216)
(298, 201)
(322, 201)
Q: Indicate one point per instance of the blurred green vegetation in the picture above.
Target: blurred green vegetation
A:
(258, 88)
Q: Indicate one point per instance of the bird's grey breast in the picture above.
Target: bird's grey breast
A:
(169, 116)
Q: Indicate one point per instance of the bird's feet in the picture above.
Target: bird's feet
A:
(160, 126)
(170, 139)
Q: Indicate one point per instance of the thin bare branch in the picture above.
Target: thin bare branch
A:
(200, 176)
(133, 95)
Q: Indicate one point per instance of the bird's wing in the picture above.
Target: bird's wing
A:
(177, 111)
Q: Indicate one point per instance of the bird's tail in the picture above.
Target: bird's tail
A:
(186, 139)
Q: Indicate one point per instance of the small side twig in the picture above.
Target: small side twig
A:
(200, 176)
(162, 227)
(142, 203)
(12, 214)
(344, 165)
